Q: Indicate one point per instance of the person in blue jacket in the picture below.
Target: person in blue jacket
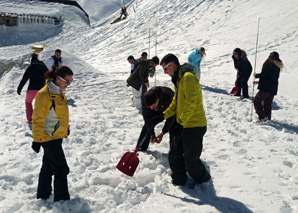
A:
(195, 59)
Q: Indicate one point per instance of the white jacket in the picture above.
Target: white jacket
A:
(50, 62)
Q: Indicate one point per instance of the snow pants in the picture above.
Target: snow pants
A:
(53, 163)
(263, 110)
(184, 156)
(242, 84)
(30, 95)
(137, 96)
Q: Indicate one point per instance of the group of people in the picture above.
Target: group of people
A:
(267, 84)
(183, 108)
(183, 111)
(49, 119)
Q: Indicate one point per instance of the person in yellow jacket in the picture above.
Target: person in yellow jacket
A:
(50, 125)
(187, 105)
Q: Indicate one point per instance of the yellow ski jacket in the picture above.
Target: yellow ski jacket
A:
(187, 102)
(50, 116)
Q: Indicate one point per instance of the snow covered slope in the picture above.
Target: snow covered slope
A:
(254, 168)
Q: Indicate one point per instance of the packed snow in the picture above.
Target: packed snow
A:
(254, 168)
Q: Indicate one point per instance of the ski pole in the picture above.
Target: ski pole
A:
(253, 87)
(155, 52)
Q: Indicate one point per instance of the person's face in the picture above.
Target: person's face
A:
(153, 106)
(130, 61)
(58, 54)
(63, 82)
(144, 56)
(236, 55)
(168, 68)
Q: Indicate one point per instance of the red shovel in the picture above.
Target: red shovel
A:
(130, 161)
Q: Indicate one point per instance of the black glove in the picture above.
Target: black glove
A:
(36, 146)
(19, 91)
(157, 119)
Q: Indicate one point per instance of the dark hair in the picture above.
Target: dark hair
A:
(238, 51)
(155, 60)
(61, 71)
(34, 56)
(273, 56)
(150, 97)
(130, 57)
(144, 54)
(57, 51)
(202, 49)
(170, 58)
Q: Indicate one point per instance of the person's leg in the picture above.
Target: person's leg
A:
(53, 150)
(192, 145)
(245, 86)
(259, 98)
(198, 72)
(144, 138)
(268, 105)
(176, 161)
(44, 189)
(30, 95)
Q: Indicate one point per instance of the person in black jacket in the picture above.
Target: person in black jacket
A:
(244, 69)
(154, 102)
(267, 86)
(36, 75)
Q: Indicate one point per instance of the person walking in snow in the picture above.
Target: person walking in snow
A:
(139, 78)
(35, 73)
(244, 69)
(187, 104)
(50, 126)
(155, 101)
(195, 59)
(268, 86)
(55, 59)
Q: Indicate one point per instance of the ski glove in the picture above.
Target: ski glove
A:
(36, 146)
(157, 119)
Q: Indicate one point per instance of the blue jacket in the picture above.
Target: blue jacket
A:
(195, 58)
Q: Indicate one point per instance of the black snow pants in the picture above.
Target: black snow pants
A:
(184, 156)
(53, 163)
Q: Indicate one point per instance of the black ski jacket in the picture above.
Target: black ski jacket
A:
(36, 75)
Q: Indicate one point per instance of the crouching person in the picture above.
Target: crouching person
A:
(50, 126)
(155, 101)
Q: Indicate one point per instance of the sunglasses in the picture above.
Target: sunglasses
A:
(65, 81)
(165, 67)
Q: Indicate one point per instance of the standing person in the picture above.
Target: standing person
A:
(267, 86)
(55, 59)
(155, 102)
(195, 59)
(139, 78)
(187, 144)
(35, 74)
(133, 62)
(50, 126)
(136, 97)
(244, 69)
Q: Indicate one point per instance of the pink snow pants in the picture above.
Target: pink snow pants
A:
(29, 98)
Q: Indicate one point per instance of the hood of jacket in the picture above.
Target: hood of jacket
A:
(279, 64)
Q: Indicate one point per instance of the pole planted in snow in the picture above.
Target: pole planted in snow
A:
(255, 67)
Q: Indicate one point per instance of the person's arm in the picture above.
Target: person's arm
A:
(41, 109)
(192, 95)
(49, 62)
(24, 79)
